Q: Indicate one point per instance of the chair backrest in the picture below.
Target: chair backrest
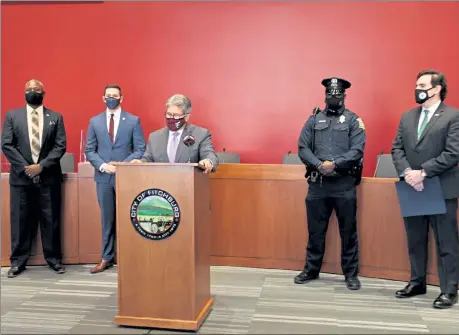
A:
(292, 159)
(68, 163)
(228, 158)
(385, 168)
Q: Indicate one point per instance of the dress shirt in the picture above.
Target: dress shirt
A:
(431, 109)
(29, 126)
(116, 119)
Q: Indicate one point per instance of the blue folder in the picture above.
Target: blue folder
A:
(429, 201)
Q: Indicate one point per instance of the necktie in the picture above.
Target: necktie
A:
(173, 147)
(424, 123)
(35, 136)
(111, 128)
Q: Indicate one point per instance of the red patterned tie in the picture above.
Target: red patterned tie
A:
(111, 128)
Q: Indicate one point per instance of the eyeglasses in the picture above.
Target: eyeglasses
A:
(174, 116)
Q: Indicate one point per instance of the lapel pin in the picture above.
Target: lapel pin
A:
(124, 118)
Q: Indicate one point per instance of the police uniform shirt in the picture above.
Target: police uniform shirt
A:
(338, 137)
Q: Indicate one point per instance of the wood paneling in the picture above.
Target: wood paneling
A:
(258, 219)
(69, 224)
(90, 227)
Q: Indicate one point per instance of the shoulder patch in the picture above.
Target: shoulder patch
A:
(361, 125)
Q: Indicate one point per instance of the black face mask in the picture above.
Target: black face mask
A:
(422, 96)
(334, 103)
(34, 98)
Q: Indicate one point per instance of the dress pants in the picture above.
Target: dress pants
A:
(447, 245)
(320, 203)
(106, 197)
(29, 205)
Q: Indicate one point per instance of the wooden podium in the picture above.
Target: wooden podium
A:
(163, 245)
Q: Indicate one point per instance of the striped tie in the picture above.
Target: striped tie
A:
(35, 135)
(424, 123)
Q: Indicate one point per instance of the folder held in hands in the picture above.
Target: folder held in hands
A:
(429, 201)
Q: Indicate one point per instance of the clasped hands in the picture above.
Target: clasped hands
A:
(415, 179)
(326, 168)
(33, 170)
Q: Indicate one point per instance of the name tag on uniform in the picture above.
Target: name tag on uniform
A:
(322, 121)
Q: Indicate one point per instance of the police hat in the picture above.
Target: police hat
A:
(336, 85)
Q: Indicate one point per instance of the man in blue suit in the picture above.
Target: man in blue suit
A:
(113, 136)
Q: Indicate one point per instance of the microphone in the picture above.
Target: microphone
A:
(222, 161)
(377, 162)
(189, 140)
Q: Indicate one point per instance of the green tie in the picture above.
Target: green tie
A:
(423, 124)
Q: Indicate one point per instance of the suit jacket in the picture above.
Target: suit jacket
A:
(436, 151)
(129, 143)
(16, 146)
(202, 148)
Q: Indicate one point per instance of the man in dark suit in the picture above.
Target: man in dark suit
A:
(113, 136)
(34, 141)
(427, 145)
(180, 142)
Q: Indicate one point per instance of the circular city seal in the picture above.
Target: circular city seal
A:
(155, 214)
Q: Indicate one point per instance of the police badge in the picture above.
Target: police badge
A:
(342, 118)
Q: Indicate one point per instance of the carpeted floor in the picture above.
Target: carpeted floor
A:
(247, 301)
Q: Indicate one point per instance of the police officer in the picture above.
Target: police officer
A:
(331, 145)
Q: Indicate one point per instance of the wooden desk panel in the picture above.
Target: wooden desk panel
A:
(90, 228)
(258, 220)
(69, 224)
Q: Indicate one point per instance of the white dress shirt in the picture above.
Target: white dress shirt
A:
(432, 110)
(29, 126)
(116, 119)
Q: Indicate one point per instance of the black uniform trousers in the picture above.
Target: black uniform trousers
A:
(29, 205)
(447, 245)
(320, 202)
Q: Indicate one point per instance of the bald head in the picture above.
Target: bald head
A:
(34, 93)
(34, 85)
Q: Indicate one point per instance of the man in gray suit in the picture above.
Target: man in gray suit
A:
(427, 145)
(180, 142)
(113, 136)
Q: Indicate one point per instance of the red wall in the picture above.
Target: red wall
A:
(252, 70)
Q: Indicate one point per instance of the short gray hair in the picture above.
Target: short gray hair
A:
(181, 101)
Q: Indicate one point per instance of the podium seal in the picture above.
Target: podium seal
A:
(155, 214)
